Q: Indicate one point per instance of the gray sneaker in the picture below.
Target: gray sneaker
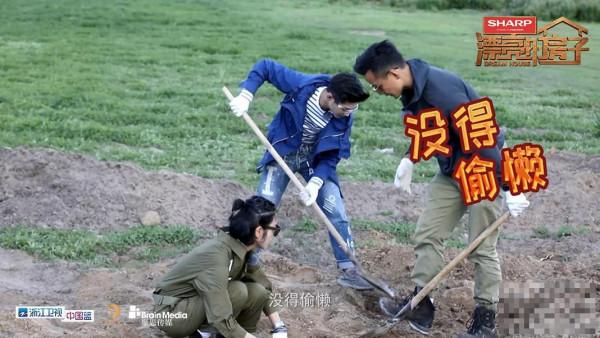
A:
(350, 278)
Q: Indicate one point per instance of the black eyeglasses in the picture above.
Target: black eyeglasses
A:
(376, 88)
(275, 229)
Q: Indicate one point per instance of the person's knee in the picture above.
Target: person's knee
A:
(421, 236)
(330, 200)
(485, 255)
(427, 236)
(257, 293)
(485, 211)
(238, 292)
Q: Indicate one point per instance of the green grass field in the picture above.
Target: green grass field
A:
(140, 81)
(147, 243)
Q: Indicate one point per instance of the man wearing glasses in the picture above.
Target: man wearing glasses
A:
(311, 132)
(421, 86)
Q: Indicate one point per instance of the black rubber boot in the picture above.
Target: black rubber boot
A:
(482, 324)
(420, 318)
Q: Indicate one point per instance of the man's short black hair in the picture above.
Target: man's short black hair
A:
(346, 87)
(379, 58)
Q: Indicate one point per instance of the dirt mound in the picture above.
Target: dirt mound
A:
(54, 189)
(48, 188)
(571, 198)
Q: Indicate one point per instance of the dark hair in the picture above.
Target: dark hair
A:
(247, 215)
(346, 87)
(379, 58)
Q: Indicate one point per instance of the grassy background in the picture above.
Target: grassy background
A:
(140, 81)
(146, 243)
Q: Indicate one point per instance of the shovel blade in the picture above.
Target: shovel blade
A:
(380, 286)
(384, 329)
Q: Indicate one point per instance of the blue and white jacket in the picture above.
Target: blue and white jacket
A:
(285, 131)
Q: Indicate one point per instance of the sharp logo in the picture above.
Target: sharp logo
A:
(509, 25)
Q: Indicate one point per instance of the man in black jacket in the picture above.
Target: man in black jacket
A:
(422, 86)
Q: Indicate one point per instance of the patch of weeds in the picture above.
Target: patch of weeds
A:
(148, 243)
(563, 231)
(403, 232)
(566, 230)
(305, 225)
(47, 243)
(542, 232)
(368, 243)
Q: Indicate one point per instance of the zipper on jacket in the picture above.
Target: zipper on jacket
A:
(331, 136)
(283, 139)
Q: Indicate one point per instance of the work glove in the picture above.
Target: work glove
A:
(311, 191)
(280, 331)
(516, 204)
(239, 105)
(404, 175)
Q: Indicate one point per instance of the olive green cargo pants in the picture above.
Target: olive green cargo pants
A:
(247, 300)
(443, 210)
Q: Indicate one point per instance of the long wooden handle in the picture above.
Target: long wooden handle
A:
(383, 330)
(293, 177)
(433, 283)
(332, 230)
(268, 145)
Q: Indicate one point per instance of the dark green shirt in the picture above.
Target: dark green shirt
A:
(206, 271)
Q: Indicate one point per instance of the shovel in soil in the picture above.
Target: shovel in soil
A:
(377, 284)
(403, 313)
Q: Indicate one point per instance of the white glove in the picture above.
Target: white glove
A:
(311, 191)
(280, 331)
(239, 105)
(404, 175)
(516, 204)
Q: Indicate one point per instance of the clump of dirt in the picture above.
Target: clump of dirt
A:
(46, 188)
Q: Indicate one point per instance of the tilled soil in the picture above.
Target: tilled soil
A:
(47, 188)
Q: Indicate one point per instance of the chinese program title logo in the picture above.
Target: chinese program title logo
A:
(516, 42)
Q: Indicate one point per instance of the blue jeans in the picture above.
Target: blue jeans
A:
(273, 182)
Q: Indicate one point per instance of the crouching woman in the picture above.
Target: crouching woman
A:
(216, 287)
